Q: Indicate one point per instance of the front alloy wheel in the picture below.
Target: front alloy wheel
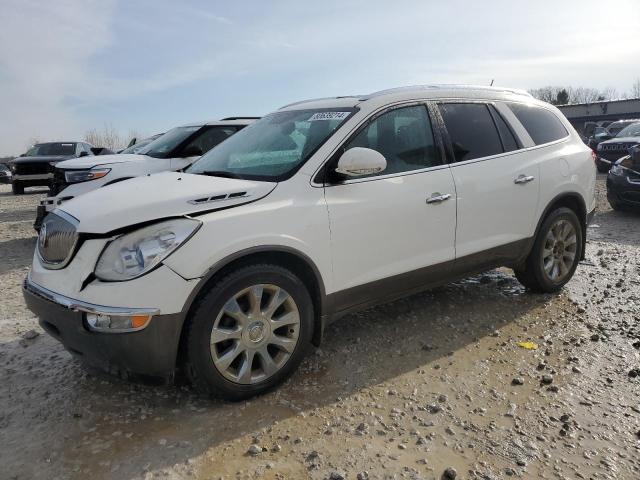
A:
(255, 333)
(249, 332)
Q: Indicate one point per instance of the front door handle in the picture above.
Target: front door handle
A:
(523, 179)
(438, 197)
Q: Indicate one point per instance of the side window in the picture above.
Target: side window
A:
(471, 129)
(543, 126)
(211, 137)
(404, 136)
(509, 142)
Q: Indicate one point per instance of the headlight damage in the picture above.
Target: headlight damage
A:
(136, 253)
(76, 176)
(624, 165)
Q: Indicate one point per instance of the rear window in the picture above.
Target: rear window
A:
(541, 124)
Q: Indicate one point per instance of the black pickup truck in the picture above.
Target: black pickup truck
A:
(35, 167)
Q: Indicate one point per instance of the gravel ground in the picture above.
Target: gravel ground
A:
(433, 386)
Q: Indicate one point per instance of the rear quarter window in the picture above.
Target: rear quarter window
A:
(541, 124)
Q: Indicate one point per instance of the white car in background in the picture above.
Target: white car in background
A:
(232, 268)
(174, 150)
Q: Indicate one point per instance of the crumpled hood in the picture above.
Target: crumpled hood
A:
(94, 161)
(166, 194)
(42, 159)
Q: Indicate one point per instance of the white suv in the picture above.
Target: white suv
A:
(173, 150)
(233, 268)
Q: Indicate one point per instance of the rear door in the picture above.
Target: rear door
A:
(496, 182)
(388, 224)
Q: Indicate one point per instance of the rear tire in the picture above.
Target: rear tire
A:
(556, 252)
(239, 343)
(17, 188)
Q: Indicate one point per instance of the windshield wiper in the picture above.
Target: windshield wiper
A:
(220, 173)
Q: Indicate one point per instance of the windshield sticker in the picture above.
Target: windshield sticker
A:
(328, 116)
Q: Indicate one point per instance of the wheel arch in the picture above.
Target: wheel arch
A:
(283, 256)
(574, 201)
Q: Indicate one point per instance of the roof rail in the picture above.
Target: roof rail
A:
(240, 118)
(318, 99)
(445, 86)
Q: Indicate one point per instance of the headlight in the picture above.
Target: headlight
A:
(616, 170)
(75, 176)
(136, 253)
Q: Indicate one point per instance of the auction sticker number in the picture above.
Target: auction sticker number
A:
(328, 116)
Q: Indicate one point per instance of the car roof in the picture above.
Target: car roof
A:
(236, 121)
(392, 95)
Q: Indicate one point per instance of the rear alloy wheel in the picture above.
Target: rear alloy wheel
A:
(249, 332)
(555, 254)
(560, 250)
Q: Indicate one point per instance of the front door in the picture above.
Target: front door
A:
(390, 229)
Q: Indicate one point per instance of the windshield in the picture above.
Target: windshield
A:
(137, 147)
(632, 130)
(274, 147)
(51, 149)
(164, 144)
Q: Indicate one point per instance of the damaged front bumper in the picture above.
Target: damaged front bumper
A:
(149, 351)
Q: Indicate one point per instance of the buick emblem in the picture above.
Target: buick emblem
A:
(42, 236)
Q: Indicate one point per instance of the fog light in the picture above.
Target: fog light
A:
(116, 323)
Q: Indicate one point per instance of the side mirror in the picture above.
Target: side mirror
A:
(192, 151)
(359, 161)
(83, 154)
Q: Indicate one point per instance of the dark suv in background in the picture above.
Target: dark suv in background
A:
(34, 168)
(610, 151)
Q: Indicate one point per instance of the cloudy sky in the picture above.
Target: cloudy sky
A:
(70, 65)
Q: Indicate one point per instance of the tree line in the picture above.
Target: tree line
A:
(571, 95)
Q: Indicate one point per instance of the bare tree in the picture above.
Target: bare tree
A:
(107, 137)
(635, 89)
(571, 95)
(31, 142)
(546, 94)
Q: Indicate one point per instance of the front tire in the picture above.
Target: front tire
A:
(17, 188)
(555, 254)
(249, 332)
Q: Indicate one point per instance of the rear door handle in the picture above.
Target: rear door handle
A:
(523, 179)
(438, 197)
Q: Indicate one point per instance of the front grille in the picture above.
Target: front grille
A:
(57, 240)
(612, 155)
(35, 168)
